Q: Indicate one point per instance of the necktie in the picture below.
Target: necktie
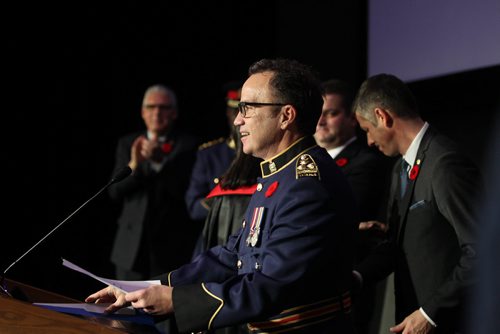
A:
(404, 176)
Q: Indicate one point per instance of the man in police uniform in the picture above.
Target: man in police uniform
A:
(300, 222)
(213, 159)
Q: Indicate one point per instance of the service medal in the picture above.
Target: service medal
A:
(254, 238)
(253, 235)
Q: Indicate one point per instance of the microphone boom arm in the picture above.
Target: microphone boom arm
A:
(123, 173)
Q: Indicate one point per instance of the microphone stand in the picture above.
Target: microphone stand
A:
(123, 173)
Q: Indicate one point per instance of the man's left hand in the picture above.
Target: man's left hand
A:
(415, 323)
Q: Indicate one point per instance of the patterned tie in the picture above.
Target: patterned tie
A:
(403, 176)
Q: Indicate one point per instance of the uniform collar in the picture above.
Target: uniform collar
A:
(278, 162)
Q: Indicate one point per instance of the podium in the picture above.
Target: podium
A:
(20, 316)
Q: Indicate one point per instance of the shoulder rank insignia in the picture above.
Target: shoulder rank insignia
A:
(306, 167)
(211, 143)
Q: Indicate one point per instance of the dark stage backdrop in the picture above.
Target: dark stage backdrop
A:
(74, 75)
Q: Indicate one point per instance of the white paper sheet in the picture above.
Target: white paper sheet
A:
(125, 286)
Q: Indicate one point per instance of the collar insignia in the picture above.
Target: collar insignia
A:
(272, 167)
(286, 157)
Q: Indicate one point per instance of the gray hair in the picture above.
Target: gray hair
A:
(158, 88)
(388, 92)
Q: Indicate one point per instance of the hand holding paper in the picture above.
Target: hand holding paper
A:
(150, 296)
(154, 300)
(125, 286)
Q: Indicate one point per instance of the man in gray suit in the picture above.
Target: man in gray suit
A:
(431, 212)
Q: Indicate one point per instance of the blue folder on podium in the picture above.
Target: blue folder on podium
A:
(96, 310)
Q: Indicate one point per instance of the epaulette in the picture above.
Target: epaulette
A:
(211, 143)
(306, 166)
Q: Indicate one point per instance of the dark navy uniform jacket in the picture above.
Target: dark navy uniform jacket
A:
(212, 160)
(294, 252)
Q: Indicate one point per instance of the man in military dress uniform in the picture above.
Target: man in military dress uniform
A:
(300, 222)
(212, 160)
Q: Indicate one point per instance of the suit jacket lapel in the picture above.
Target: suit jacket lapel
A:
(406, 200)
(346, 155)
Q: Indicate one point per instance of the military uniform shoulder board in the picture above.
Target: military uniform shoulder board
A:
(211, 143)
(306, 166)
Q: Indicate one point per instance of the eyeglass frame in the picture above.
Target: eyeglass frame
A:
(242, 106)
(151, 106)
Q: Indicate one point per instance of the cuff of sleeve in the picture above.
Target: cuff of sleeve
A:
(427, 317)
(195, 307)
(169, 279)
(163, 278)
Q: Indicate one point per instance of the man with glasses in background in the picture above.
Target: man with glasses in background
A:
(154, 231)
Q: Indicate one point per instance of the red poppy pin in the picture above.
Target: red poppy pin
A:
(233, 95)
(341, 162)
(167, 147)
(272, 188)
(414, 170)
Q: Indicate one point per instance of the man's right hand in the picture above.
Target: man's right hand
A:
(136, 155)
(109, 295)
(373, 225)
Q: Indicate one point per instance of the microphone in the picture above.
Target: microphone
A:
(119, 176)
(122, 173)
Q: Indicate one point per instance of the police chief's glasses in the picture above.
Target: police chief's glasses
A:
(243, 106)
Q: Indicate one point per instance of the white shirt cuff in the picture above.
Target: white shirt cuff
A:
(156, 166)
(358, 277)
(427, 317)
